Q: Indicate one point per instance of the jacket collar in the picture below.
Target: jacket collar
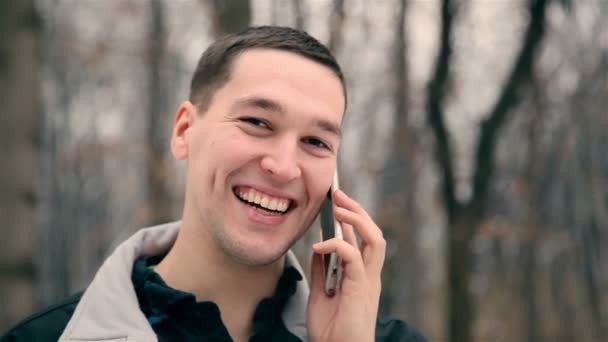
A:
(109, 311)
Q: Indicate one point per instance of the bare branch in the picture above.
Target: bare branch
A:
(521, 75)
(435, 99)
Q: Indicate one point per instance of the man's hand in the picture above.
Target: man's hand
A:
(350, 315)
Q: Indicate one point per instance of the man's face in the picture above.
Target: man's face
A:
(262, 157)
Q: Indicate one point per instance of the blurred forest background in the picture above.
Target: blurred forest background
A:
(476, 135)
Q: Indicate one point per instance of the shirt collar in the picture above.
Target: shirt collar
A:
(158, 300)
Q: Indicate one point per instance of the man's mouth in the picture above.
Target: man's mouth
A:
(269, 205)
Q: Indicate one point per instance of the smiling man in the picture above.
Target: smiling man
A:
(260, 135)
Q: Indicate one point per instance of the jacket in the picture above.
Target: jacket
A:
(108, 310)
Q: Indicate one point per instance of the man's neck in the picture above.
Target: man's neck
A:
(194, 264)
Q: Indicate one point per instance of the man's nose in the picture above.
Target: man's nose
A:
(281, 162)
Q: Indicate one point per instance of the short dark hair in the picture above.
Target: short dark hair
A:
(214, 67)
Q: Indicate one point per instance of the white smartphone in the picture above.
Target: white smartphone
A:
(330, 228)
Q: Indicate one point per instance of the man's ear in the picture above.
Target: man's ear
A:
(184, 118)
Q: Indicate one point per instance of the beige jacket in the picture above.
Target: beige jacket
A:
(109, 311)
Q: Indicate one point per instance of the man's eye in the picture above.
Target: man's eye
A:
(316, 143)
(255, 122)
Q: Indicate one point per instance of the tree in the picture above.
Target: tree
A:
(229, 16)
(464, 217)
(397, 191)
(159, 195)
(20, 148)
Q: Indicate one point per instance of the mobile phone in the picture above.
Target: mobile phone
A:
(330, 228)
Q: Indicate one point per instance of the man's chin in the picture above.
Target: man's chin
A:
(258, 260)
(257, 256)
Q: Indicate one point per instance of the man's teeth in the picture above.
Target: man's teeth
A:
(263, 200)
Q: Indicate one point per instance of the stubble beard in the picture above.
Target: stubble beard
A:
(238, 249)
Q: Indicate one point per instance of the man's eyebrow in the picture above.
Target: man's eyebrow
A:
(267, 104)
(261, 103)
(329, 126)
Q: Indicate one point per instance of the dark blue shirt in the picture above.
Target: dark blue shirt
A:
(176, 315)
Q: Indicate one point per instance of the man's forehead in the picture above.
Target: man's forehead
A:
(266, 60)
(274, 80)
(270, 59)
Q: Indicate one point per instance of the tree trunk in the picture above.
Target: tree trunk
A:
(399, 297)
(535, 192)
(460, 302)
(298, 12)
(465, 218)
(229, 16)
(159, 195)
(19, 147)
(336, 25)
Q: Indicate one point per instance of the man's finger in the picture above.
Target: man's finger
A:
(350, 255)
(349, 234)
(317, 278)
(343, 200)
(351, 212)
(373, 243)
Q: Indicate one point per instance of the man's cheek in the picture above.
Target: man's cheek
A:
(316, 204)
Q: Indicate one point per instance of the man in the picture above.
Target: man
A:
(260, 134)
